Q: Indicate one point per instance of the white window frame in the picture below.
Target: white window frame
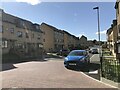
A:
(4, 43)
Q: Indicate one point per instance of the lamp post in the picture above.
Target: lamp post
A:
(98, 24)
(97, 8)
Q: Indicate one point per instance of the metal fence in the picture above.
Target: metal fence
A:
(111, 69)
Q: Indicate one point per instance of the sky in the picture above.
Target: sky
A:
(77, 18)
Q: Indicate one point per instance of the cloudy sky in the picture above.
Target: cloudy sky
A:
(78, 17)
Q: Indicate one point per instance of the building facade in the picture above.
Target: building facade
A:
(90, 43)
(117, 7)
(55, 39)
(112, 34)
(20, 36)
(83, 41)
(48, 37)
(70, 41)
(58, 40)
(76, 42)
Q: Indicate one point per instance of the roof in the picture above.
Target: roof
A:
(83, 37)
(26, 24)
(109, 30)
(114, 23)
(48, 25)
(116, 4)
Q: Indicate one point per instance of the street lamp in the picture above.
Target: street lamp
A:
(98, 24)
(97, 8)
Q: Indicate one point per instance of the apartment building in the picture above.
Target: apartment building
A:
(48, 37)
(53, 40)
(75, 42)
(117, 7)
(90, 43)
(83, 41)
(0, 31)
(108, 37)
(112, 37)
(66, 39)
(70, 41)
(58, 40)
(20, 36)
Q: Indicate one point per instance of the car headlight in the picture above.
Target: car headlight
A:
(83, 59)
(66, 59)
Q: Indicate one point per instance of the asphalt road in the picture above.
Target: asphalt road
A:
(50, 73)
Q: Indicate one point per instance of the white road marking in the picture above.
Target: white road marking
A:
(93, 72)
(46, 59)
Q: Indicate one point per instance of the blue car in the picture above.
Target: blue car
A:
(77, 58)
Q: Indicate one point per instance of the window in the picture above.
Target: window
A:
(1, 29)
(43, 40)
(4, 44)
(119, 28)
(38, 36)
(27, 36)
(118, 7)
(11, 30)
(33, 35)
(22, 23)
(118, 48)
(44, 33)
(40, 45)
(37, 27)
(6, 29)
(20, 46)
(19, 34)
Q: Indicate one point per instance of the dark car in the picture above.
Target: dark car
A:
(94, 51)
(77, 58)
(64, 52)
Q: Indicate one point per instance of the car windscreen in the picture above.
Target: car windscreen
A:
(76, 53)
(94, 49)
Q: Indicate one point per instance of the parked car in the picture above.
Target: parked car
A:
(64, 52)
(77, 58)
(94, 51)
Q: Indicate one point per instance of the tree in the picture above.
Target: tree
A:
(94, 41)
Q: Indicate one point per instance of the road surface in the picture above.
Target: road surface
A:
(50, 73)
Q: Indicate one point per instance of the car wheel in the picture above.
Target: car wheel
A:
(66, 67)
(88, 61)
